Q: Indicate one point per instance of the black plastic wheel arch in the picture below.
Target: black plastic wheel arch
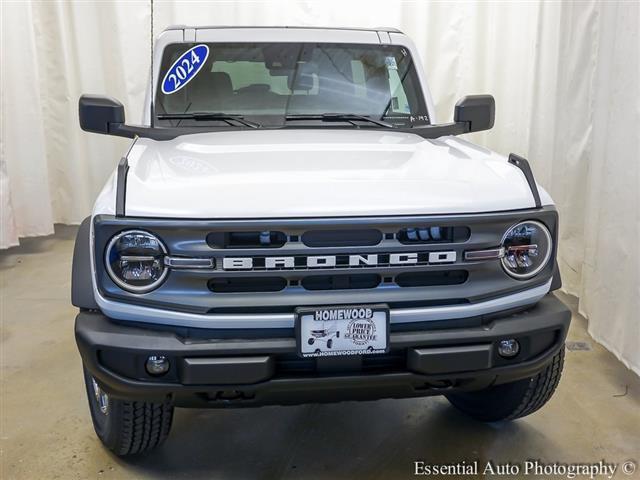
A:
(81, 284)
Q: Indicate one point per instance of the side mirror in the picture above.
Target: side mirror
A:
(479, 111)
(105, 115)
(100, 114)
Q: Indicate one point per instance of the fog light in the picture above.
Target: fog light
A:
(157, 365)
(508, 348)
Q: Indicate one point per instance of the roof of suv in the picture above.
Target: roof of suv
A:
(207, 27)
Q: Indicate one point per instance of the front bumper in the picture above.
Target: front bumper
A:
(218, 372)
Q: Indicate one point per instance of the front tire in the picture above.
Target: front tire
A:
(127, 427)
(512, 400)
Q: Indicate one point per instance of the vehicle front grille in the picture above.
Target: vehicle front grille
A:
(265, 265)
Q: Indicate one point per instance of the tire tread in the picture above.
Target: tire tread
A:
(512, 400)
(541, 388)
(145, 425)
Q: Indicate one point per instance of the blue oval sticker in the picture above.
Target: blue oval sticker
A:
(184, 69)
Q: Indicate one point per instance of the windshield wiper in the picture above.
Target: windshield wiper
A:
(339, 117)
(203, 116)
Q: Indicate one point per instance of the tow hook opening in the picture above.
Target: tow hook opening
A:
(436, 385)
(228, 395)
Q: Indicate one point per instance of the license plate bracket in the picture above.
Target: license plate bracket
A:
(342, 330)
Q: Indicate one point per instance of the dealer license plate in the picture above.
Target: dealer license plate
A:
(336, 331)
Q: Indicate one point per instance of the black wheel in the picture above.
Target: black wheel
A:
(329, 343)
(127, 427)
(310, 341)
(512, 400)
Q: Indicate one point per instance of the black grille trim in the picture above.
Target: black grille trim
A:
(247, 284)
(263, 239)
(430, 234)
(341, 282)
(342, 238)
(430, 279)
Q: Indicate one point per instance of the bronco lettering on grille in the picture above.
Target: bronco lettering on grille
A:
(338, 261)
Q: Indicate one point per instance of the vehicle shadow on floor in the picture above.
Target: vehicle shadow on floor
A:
(348, 440)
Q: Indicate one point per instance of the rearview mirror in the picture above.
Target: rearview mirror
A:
(478, 111)
(100, 114)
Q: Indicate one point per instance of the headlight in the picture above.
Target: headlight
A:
(135, 261)
(527, 249)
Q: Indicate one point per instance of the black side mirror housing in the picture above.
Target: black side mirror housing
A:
(100, 114)
(105, 115)
(478, 111)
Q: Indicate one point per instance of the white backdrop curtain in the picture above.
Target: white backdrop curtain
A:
(566, 78)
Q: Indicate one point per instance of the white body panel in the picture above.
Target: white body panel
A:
(316, 173)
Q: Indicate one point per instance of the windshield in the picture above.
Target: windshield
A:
(273, 83)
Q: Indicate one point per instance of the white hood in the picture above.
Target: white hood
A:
(318, 173)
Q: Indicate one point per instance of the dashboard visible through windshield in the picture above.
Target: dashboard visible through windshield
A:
(273, 84)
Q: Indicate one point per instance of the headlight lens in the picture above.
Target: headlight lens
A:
(527, 249)
(135, 261)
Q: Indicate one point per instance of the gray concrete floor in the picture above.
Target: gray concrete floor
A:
(46, 431)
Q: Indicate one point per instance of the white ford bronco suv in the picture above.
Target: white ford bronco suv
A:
(290, 225)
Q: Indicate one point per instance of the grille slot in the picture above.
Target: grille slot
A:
(431, 279)
(247, 284)
(342, 238)
(264, 239)
(340, 282)
(428, 234)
